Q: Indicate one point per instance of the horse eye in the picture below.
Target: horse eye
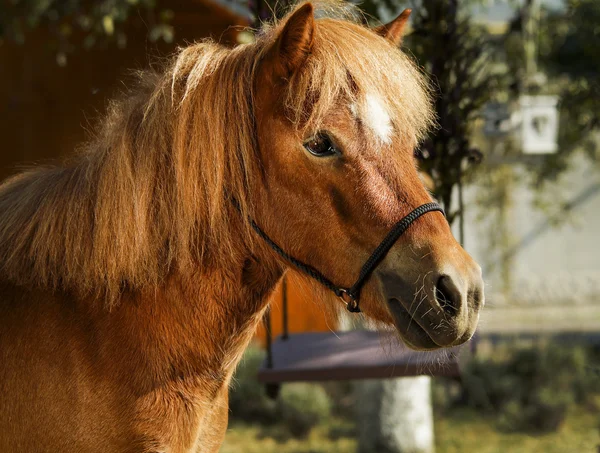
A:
(321, 146)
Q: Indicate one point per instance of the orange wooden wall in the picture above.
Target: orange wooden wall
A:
(305, 312)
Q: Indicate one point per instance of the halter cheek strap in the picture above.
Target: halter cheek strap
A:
(351, 296)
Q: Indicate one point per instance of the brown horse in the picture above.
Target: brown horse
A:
(130, 283)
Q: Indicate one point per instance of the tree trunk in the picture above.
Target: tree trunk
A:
(395, 415)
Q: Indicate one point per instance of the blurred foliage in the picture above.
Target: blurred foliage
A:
(529, 389)
(570, 53)
(573, 46)
(299, 408)
(463, 81)
(303, 406)
(74, 24)
(247, 397)
(342, 395)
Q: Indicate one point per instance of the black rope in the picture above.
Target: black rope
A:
(351, 295)
(309, 270)
(388, 242)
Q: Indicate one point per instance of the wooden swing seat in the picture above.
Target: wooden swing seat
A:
(356, 354)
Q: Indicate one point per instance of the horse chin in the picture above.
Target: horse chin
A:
(413, 335)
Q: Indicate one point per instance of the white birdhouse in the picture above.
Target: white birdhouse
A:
(539, 124)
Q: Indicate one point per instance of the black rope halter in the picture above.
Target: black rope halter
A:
(351, 296)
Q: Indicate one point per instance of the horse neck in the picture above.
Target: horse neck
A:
(196, 325)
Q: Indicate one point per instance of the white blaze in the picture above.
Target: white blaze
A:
(377, 119)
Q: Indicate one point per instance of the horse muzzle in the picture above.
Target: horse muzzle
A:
(439, 309)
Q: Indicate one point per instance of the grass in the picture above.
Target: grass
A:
(466, 431)
(336, 436)
(462, 431)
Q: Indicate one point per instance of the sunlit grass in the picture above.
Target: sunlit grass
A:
(462, 431)
(336, 436)
(466, 431)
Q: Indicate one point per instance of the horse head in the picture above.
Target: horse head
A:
(339, 111)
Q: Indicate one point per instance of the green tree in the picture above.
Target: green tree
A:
(570, 54)
(460, 71)
(74, 24)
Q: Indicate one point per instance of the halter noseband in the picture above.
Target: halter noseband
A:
(351, 296)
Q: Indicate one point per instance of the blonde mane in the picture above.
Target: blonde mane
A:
(149, 195)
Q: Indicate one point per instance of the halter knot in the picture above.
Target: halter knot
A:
(349, 299)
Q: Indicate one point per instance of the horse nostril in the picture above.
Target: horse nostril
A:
(448, 295)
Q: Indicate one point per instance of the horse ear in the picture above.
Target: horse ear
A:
(394, 31)
(294, 42)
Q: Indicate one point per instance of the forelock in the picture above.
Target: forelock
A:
(349, 63)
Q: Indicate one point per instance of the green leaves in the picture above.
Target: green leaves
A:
(462, 74)
(80, 24)
(570, 54)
